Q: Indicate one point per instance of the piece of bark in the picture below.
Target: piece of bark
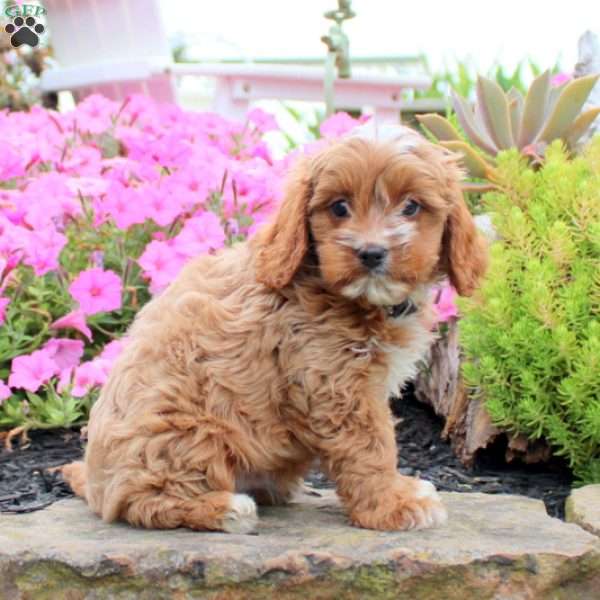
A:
(529, 451)
(468, 425)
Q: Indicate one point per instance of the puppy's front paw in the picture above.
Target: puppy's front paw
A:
(410, 504)
(241, 517)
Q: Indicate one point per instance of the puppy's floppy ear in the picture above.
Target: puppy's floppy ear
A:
(282, 245)
(464, 257)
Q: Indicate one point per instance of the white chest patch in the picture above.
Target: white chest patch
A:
(403, 360)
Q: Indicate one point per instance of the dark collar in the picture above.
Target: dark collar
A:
(405, 309)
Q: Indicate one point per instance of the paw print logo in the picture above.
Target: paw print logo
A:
(24, 31)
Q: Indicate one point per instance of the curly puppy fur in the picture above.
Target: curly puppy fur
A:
(260, 358)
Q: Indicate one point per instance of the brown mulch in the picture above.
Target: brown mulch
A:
(27, 481)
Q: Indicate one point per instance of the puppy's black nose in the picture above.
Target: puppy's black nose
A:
(372, 256)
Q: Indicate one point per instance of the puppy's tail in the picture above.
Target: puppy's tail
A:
(76, 476)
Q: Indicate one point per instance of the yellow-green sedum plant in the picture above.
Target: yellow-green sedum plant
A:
(500, 121)
(531, 336)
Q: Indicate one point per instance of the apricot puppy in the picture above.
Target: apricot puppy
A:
(262, 357)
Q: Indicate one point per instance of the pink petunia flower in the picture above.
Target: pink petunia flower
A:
(94, 113)
(200, 235)
(97, 291)
(11, 162)
(48, 199)
(161, 264)
(43, 247)
(64, 352)
(83, 160)
(73, 320)
(87, 186)
(30, 371)
(163, 206)
(170, 150)
(338, 124)
(124, 205)
(263, 121)
(88, 375)
(113, 349)
(446, 304)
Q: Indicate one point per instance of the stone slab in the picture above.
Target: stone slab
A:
(493, 546)
(583, 508)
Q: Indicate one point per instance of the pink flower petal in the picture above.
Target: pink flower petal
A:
(446, 304)
(64, 352)
(113, 349)
(337, 125)
(87, 376)
(97, 290)
(73, 320)
(262, 120)
(30, 371)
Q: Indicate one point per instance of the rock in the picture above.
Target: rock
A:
(492, 547)
(583, 507)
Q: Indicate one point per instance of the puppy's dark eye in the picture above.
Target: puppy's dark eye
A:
(411, 208)
(340, 208)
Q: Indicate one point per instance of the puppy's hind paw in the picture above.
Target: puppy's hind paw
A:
(434, 511)
(426, 489)
(414, 504)
(242, 516)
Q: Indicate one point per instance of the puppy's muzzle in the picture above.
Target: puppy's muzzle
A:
(372, 256)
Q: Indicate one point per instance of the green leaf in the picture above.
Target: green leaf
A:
(477, 188)
(535, 69)
(467, 122)
(516, 103)
(555, 92)
(534, 109)
(440, 127)
(495, 112)
(475, 164)
(568, 106)
(580, 126)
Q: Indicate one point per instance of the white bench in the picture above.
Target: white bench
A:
(92, 37)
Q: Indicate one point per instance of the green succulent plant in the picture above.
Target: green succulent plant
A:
(530, 337)
(503, 120)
